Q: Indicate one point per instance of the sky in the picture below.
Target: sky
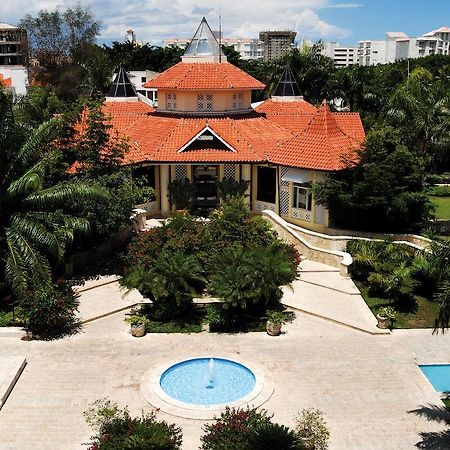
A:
(344, 21)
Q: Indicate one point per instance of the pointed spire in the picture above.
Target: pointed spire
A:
(287, 86)
(122, 86)
(203, 45)
(324, 122)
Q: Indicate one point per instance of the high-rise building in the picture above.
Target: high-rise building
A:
(13, 50)
(276, 43)
(341, 56)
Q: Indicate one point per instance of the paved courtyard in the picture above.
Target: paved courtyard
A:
(366, 385)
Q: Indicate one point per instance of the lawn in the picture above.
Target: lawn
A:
(442, 207)
(420, 314)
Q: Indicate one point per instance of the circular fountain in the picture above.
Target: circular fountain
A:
(201, 387)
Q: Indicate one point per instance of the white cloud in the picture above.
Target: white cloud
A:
(155, 20)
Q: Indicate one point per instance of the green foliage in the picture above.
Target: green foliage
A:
(115, 429)
(385, 266)
(276, 317)
(134, 56)
(439, 191)
(388, 311)
(384, 192)
(312, 429)
(36, 222)
(229, 187)
(137, 319)
(443, 298)
(180, 193)
(232, 428)
(50, 310)
(244, 262)
(273, 435)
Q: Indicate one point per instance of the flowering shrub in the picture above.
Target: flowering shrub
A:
(312, 429)
(116, 430)
(232, 428)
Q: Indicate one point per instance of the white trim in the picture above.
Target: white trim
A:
(207, 128)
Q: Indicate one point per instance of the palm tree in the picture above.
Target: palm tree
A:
(273, 435)
(422, 109)
(443, 315)
(35, 225)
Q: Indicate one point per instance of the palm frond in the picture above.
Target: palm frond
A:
(64, 194)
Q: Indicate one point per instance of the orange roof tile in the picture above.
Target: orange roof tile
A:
(204, 76)
(325, 144)
(6, 82)
(271, 107)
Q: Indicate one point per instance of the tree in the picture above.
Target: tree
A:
(35, 224)
(422, 110)
(443, 315)
(57, 34)
(383, 192)
(273, 435)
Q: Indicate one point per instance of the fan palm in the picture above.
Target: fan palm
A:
(35, 227)
(273, 435)
(443, 298)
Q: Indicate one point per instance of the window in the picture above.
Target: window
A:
(302, 197)
(204, 102)
(237, 100)
(171, 104)
(143, 79)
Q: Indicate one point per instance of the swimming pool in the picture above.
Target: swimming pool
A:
(438, 375)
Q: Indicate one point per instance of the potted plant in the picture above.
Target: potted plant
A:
(138, 324)
(385, 316)
(275, 320)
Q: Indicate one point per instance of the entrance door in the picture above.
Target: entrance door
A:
(205, 193)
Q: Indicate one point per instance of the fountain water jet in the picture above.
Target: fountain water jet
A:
(210, 382)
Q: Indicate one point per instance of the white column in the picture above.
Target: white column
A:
(164, 189)
(246, 174)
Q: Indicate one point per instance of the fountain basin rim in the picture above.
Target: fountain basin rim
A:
(155, 395)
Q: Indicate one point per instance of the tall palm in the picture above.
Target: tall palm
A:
(422, 109)
(443, 315)
(35, 225)
(273, 435)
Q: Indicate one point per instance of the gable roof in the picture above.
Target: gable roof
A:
(204, 76)
(323, 144)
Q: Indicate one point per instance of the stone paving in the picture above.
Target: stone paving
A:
(365, 384)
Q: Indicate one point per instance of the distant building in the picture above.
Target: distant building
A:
(341, 56)
(276, 43)
(13, 49)
(138, 78)
(248, 48)
(397, 46)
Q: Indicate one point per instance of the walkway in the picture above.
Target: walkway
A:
(322, 291)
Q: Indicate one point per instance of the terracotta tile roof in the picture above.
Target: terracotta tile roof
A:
(6, 82)
(204, 76)
(293, 115)
(159, 139)
(324, 144)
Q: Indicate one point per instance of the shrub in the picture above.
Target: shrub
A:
(312, 430)
(50, 310)
(180, 193)
(440, 191)
(274, 436)
(232, 428)
(229, 187)
(116, 430)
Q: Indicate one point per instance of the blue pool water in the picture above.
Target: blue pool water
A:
(438, 375)
(201, 382)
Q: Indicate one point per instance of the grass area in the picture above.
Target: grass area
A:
(418, 312)
(173, 326)
(442, 207)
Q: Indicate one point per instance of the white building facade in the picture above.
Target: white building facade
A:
(341, 56)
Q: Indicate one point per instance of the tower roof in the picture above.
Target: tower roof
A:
(122, 86)
(287, 86)
(203, 43)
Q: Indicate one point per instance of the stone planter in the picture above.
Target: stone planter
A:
(273, 329)
(383, 322)
(138, 330)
